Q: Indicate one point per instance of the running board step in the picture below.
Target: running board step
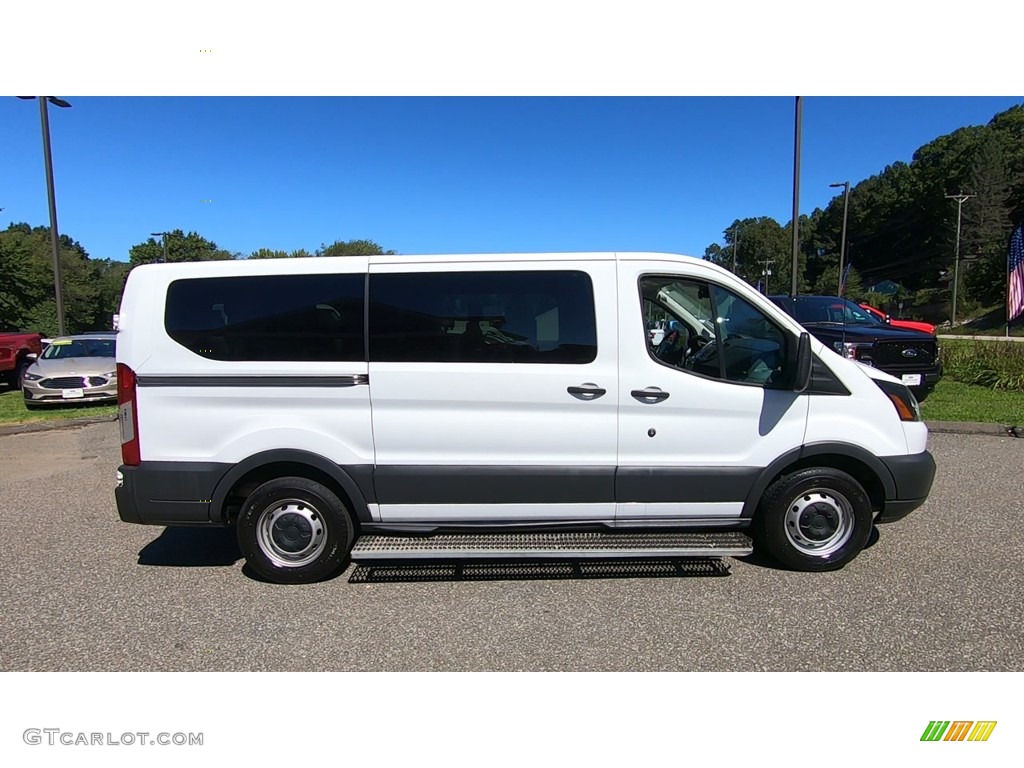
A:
(550, 546)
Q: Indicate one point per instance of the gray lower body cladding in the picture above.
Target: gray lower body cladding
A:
(913, 476)
(193, 493)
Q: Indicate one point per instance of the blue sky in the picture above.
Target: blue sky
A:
(450, 174)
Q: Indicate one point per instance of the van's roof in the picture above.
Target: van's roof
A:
(328, 263)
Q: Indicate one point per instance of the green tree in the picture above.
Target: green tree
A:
(27, 296)
(1008, 128)
(986, 224)
(110, 279)
(266, 253)
(827, 283)
(180, 247)
(19, 288)
(761, 239)
(352, 248)
(716, 254)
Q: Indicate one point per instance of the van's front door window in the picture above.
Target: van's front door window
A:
(710, 331)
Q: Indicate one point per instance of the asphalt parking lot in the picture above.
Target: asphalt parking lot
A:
(938, 591)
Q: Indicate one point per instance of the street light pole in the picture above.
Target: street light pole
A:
(842, 242)
(960, 200)
(54, 237)
(796, 195)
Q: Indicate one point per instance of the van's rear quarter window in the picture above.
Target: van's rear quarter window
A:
(269, 317)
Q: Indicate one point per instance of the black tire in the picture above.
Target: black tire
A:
(19, 372)
(293, 530)
(815, 519)
(13, 377)
(920, 394)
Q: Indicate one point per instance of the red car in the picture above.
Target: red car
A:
(17, 351)
(912, 325)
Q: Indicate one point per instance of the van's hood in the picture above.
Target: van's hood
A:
(874, 373)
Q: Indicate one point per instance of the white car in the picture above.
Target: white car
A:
(72, 369)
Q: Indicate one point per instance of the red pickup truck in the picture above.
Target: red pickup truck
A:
(15, 349)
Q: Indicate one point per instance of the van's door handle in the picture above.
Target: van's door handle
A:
(649, 395)
(586, 391)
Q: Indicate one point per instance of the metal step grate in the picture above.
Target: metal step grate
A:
(500, 571)
(551, 546)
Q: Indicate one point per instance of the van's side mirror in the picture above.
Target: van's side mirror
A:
(803, 363)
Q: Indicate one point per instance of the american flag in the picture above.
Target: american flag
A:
(1015, 275)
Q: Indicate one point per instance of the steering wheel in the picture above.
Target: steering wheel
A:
(675, 345)
(705, 351)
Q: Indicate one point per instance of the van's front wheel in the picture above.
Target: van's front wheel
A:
(815, 519)
(293, 530)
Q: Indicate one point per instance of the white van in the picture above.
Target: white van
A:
(513, 407)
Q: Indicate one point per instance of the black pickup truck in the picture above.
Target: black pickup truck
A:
(853, 332)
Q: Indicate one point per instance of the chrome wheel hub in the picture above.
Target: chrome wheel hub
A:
(819, 522)
(291, 533)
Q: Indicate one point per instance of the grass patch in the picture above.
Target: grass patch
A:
(13, 410)
(957, 401)
(993, 364)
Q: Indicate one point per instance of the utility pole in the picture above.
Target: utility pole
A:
(960, 200)
(767, 272)
(842, 242)
(735, 247)
(796, 196)
(163, 240)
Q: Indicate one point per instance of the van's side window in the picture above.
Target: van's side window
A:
(483, 317)
(271, 317)
(711, 331)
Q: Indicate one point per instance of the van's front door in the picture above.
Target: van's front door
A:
(494, 390)
(704, 405)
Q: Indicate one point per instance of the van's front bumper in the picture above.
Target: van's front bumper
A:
(167, 493)
(913, 476)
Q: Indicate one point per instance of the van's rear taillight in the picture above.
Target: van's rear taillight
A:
(128, 415)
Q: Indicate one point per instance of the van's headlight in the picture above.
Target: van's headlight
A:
(902, 399)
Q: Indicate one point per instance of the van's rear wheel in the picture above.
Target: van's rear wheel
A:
(815, 519)
(293, 530)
